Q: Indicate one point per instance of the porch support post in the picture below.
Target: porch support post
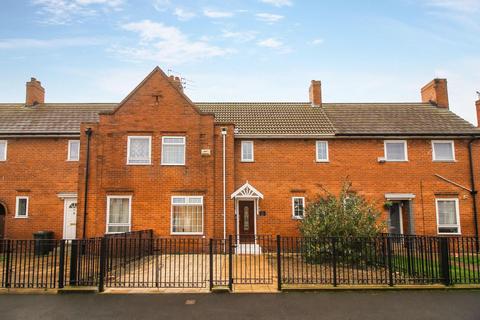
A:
(411, 218)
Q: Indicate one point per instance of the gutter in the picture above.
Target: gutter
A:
(88, 132)
(224, 134)
(473, 192)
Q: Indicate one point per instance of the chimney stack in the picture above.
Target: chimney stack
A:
(35, 93)
(316, 93)
(177, 81)
(436, 92)
(477, 106)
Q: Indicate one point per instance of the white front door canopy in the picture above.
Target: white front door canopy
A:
(247, 191)
(399, 196)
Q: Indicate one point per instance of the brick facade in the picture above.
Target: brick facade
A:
(282, 168)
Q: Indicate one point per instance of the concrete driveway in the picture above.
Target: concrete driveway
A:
(323, 305)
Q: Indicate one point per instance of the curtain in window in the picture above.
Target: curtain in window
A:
(187, 218)
(322, 150)
(247, 150)
(396, 151)
(74, 150)
(119, 215)
(3, 151)
(173, 150)
(447, 213)
(443, 151)
(139, 150)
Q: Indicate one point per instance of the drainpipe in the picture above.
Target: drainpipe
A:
(88, 132)
(224, 134)
(473, 192)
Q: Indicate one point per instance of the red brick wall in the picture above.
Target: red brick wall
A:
(37, 168)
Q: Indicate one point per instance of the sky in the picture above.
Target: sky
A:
(250, 50)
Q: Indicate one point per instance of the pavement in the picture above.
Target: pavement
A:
(330, 305)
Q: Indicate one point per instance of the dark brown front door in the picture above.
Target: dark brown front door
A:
(246, 221)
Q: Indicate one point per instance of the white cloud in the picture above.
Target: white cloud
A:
(269, 17)
(278, 3)
(30, 43)
(240, 36)
(166, 44)
(270, 43)
(317, 42)
(183, 14)
(65, 11)
(215, 14)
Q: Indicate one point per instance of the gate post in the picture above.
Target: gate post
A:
(210, 250)
(61, 266)
(7, 265)
(334, 260)
(444, 261)
(230, 263)
(73, 263)
(279, 263)
(390, 262)
(103, 259)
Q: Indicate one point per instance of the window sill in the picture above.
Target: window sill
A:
(445, 161)
(247, 161)
(186, 233)
(396, 160)
(72, 160)
(20, 217)
(297, 218)
(173, 164)
(139, 164)
(322, 161)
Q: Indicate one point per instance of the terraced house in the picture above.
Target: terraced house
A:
(158, 160)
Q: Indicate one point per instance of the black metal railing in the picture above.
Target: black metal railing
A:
(140, 260)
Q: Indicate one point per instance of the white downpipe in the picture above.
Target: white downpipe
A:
(224, 134)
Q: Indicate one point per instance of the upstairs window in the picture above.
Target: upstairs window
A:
(187, 215)
(247, 151)
(298, 207)
(448, 219)
(3, 150)
(396, 150)
(21, 208)
(139, 150)
(173, 151)
(443, 151)
(118, 214)
(322, 151)
(73, 150)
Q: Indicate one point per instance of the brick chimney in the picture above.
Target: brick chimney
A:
(436, 92)
(35, 93)
(477, 106)
(316, 93)
(177, 81)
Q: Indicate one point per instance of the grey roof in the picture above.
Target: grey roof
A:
(276, 118)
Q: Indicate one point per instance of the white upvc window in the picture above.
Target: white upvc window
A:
(187, 215)
(73, 150)
(298, 207)
(139, 150)
(3, 150)
(119, 214)
(322, 151)
(448, 216)
(247, 151)
(395, 150)
(443, 150)
(173, 151)
(21, 207)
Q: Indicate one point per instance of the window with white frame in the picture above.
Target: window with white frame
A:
(3, 150)
(73, 150)
(173, 151)
(139, 150)
(298, 207)
(322, 151)
(187, 215)
(396, 150)
(247, 151)
(21, 207)
(448, 218)
(119, 213)
(443, 151)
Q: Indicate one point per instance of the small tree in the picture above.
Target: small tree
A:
(348, 220)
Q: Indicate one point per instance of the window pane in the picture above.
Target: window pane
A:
(395, 151)
(443, 150)
(3, 151)
(139, 150)
(298, 207)
(119, 210)
(247, 150)
(22, 207)
(322, 150)
(118, 228)
(173, 154)
(74, 150)
(174, 140)
(447, 212)
(187, 218)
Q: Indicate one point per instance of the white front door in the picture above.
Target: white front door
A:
(70, 219)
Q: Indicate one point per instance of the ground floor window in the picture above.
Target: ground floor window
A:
(21, 208)
(298, 207)
(187, 215)
(448, 219)
(118, 214)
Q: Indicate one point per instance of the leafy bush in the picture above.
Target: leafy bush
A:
(348, 220)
